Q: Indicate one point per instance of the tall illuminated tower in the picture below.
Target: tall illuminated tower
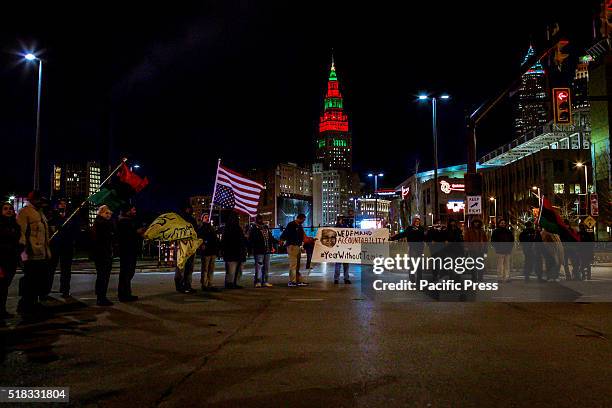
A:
(531, 107)
(333, 142)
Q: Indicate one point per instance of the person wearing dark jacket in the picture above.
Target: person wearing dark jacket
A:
(294, 235)
(502, 241)
(183, 277)
(234, 248)
(9, 253)
(529, 239)
(208, 252)
(129, 237)
(415, 236)
(342, 223)
(62, 246)
(261, 243)
(102, 252)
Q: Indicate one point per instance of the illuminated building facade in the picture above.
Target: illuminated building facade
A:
(75, 182)
(531, 99)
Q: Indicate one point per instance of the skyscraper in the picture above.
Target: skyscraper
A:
(333, 143)
(531, 106)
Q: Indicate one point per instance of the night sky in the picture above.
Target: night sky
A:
(175, 86)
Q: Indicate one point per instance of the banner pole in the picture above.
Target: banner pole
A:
(87, 199)
(212, 199)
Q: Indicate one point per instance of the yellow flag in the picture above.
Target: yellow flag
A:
(170, 227)
(186, 248)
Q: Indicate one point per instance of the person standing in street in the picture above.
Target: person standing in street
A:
(309, 244)
(503, 242)
(570, 253)
(62, 246)
(261, 243)
(130, 241)
(9, 253)
(34, 239)
(341, 222)
(529, 239)
(234, 248)
(103, 233)
(476, 244)
(553, 254)
(586, 251)
(183, 276)
(209, 252)
(293, 235)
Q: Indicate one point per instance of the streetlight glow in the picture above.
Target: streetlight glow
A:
(30, 57)
(370, 175)
(380, 174)
(445, 96)
(579, 165)
(491, 198)
(423, 97)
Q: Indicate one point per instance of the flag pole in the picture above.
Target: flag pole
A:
(212, 199)
(87, 199)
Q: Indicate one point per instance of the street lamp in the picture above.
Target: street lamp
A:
(31, 57)
(432, 220)
(494, 206)
(134, 166)
(586, 184)
(434, 114)
(376, 176)
(539, 195)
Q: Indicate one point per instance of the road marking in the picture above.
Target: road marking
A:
(305, 299)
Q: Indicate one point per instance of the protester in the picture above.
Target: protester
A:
(570, 253)
(208, 252)
(261, 243)
(586, 251)
(309, 244)
(234, 247)
(436, 237)
(9, 253)
(293, 235)
(62, 246)
(415, 235)
(553, 254)
(342, 222)
(36, 254)
(130, 241)
(103, 233)
(477, 244)
(183, 276)
(502, 241)
(530, 239)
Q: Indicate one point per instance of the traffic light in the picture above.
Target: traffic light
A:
(562, 106)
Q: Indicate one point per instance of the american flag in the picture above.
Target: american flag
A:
(236, 191)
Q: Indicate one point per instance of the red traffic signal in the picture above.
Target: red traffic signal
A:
(562, 106)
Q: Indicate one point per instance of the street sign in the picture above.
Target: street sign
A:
(589, 222)
(594, 205)
(474, 205)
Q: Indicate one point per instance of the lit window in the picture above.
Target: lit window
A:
(559, 188)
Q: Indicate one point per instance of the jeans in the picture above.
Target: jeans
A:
(295, 256)
(127, 269)
(182, 277)
(262, 267)
(533, 264)
(309, 257)
(233, 272)
(208, 270)
(337, 271)
(103, 272)
(33, 283)
(63, 257)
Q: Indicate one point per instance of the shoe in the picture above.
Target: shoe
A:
(303, 284)
(292, 284)
(130, 298)
(347, 282)
(205, 288)
(258, 285)
(104, 302)
(336, 281)
(213, 289)
(47, 298)
(66, 295)
(268, 285)
(189, 291)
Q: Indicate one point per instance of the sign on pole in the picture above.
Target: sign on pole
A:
(474, 205)
(594, 205)
(589, 222)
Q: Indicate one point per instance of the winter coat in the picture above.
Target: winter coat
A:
(210, 240)
(502, 240)
(103, 232)
(233, 244)
(261, 240)
(34, 234)
(293, 234)
(9, 240)
(66, 235)
(553, 248)
(129, 239)
(414, 235)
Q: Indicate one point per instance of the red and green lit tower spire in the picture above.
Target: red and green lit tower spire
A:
(333, 143)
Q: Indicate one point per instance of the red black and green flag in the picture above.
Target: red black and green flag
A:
(551, 221)
(118, 192)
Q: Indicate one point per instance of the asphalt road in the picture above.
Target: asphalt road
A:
(323, 345)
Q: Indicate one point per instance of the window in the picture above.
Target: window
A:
(559, 188)
(577, 189)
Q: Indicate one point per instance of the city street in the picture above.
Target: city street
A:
(322, 345)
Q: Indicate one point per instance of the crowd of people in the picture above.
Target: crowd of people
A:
(541, 261)
(43, 240)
